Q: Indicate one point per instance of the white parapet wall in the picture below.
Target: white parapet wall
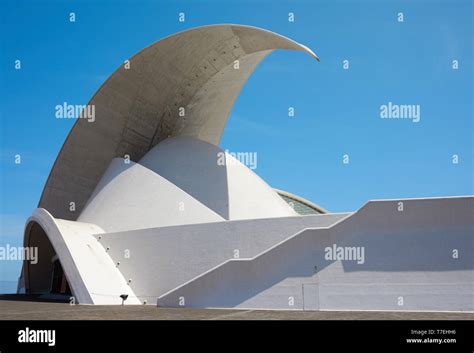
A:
(161, 259)
(389, 255)
(399, 255)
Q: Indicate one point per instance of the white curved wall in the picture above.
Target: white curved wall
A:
(233, 191)
(91, 273)
(131, 196)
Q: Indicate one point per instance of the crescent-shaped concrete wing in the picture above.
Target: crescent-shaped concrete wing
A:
(183, 85)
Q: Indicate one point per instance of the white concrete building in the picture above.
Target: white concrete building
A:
(139, 203)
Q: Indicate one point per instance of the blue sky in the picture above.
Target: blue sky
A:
(336, 110)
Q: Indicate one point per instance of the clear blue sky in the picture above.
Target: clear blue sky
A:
(337, 110)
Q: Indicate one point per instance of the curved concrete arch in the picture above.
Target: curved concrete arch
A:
(91, 273)
(199, 72)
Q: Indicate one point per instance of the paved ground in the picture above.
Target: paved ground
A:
(28, 310)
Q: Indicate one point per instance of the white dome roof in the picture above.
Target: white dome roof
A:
(178, 182)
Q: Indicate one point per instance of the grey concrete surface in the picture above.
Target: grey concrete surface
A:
(15, 310)
(139, 107)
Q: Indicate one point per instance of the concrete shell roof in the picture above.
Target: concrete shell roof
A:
(139, 107)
